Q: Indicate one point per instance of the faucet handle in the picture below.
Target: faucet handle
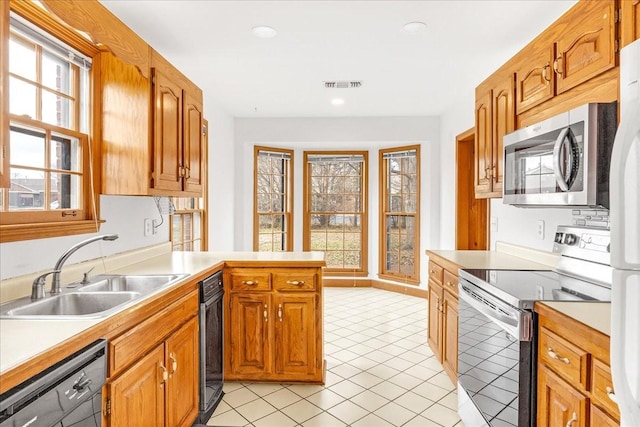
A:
(85, 276)
(37, 288)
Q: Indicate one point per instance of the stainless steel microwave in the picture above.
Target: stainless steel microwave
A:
(561, 161)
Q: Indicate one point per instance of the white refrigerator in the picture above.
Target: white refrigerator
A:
(624, 213)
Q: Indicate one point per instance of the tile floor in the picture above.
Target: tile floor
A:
(380, 372)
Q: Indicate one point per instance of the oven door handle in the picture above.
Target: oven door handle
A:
(518, 326)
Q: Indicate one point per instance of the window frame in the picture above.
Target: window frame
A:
(384, 212)
(39, 227)
(288, 205)
(191, 213)
(363, 271)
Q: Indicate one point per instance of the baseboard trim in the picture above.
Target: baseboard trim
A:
(331, 282)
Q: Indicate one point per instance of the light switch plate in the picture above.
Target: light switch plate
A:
(148, 227)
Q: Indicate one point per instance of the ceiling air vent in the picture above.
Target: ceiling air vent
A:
(342, 84)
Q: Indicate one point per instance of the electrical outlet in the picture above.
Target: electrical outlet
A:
(156, 224)
(148, 227)
(541, 229)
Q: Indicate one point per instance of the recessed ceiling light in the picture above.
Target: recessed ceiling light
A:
(414, 27)
(264, 32)
(337, 101)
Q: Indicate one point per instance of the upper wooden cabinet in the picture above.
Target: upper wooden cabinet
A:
(578, 47)
(495, 117)
(152, 130)
(630, 19)
(4, 99)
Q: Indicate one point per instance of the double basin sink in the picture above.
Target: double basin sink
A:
(100, 296)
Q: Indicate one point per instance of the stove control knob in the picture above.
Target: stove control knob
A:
(570, 239)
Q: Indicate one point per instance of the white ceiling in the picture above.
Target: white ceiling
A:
(403, 74)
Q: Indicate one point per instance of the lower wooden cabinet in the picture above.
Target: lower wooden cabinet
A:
(274, 324)
(442, 327)
(574, 378)
(161, 387)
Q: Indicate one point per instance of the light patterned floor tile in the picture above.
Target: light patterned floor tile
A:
(228, 387)
(276, 419)
(346, 370)
(372, 420)
(430, 391)
(255, 410)
(414, 402)
(229, 418)
(421, 421)
(301, 411)
(239, 397)
(442, 380)
(442, 415)
(395, 414)
(222, 408)
(388, 390)
(366, 380)
(348, 412)
(383, 371)
(324, 420)
(264, 389)
(282, 398)
(346, 389)
(450, 401)
(369, 400)
(304, 390)
(325, 399)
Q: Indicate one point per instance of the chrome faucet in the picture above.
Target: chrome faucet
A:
(55, 281)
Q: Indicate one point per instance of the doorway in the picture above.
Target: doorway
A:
(471, 214)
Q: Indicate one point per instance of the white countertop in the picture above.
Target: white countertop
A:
(490, 260)
(596, 315)
(20, 340)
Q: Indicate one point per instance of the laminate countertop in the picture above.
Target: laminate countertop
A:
(21, 340)
(490, 260)
(596, 315)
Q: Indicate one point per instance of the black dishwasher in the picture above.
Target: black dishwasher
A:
(69, 393)
(211, 361)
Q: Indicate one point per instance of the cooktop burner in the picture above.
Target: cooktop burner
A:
(521, 288)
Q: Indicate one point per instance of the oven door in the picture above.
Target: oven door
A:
(211, 352)
(495, 360)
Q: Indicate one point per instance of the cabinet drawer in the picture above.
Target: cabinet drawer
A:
(451, 282)
(566, 359)
(295, 280)
(603, 386)
(250, 280)
(130, 346)
(435, 272)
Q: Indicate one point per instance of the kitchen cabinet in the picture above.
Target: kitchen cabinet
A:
(495, 117)
(630, 21)
(153, 369)
(274, 330)
(152, 129)
(578, 47)
(442, 327)
(574, 377)
(4, 100)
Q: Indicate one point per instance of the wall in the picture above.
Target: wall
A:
(221, 177)
(360, 133)
(123, 215)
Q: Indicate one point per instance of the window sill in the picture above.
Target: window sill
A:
(19, 232)
(399, 279)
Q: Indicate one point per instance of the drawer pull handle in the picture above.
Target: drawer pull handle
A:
(250, 282)
(174, 363)
(555, 356)
(295, 282)
(265, 314)
(280, 312)
(611, 394)
(433, 272)
(165, 374)
(449, 283)
(573, 419)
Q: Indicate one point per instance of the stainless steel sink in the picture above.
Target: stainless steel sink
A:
(103, 295)
(143, 284)
(70, 305)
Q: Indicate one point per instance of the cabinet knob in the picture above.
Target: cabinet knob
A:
(295, 282)
(556, 356)
(573, 419)
(250, 282)
(265, 313)
(611, 394)
(174, 363)
(280, 312)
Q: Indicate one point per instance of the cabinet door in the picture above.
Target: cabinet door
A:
(600, 418)
(182, 362)
(193, 144)
(4, 100)
(535, 82)
(482, 172)
(167, 133)
(586, 47)
(434, 322)
(138, 395)
(630, 21)
(250, 338)
(295, 333)
(559, 404)
(504, 119)
(450, 336)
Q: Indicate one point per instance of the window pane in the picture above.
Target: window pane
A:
(27, 189)
(56, 110)
(27, 148)
(56, 73)
(65, 191)
(23, 98)
(65, 153)
(186, 228)
(197, 225)
(22, 58)
(176, 221)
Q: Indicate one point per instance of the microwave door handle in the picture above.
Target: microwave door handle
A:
(560, 179)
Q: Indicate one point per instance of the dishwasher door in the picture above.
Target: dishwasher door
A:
(69, 393)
